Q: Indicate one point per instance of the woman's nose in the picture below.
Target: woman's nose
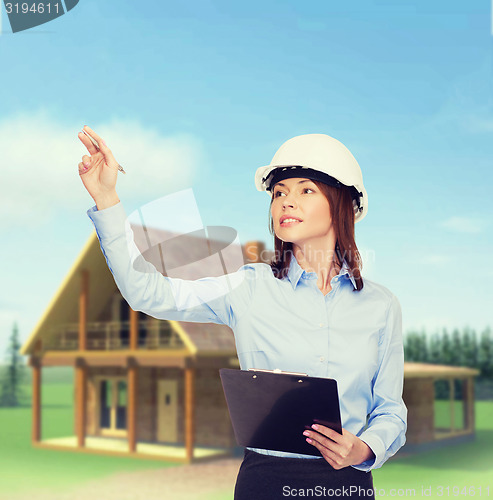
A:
(288, 201)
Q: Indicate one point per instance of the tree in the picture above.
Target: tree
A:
(411, 347)
(447, 356)
(14, 373)
(485, 354)
(435, 349)
(469, 349)
(456, 349)
(423, 348)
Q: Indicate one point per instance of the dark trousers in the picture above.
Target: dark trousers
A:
(264, 477)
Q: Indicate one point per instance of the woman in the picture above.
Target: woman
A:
(308, 311)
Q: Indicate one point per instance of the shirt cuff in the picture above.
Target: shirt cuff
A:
(378, 448)
(109, 222)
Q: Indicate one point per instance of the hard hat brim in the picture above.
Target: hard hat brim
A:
(262, 174)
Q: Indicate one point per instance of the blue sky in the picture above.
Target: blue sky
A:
(199, 95)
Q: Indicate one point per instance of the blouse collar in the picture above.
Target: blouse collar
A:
(296, 272)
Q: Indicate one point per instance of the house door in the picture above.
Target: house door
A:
(113, 406)
(167, 397)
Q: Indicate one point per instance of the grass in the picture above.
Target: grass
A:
(48, 467)
(466, 465)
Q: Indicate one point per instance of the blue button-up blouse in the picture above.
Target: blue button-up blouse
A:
(350, 336)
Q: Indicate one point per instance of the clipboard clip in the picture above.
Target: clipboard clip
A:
(277, 370)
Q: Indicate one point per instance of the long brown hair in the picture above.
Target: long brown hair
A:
(342, 211)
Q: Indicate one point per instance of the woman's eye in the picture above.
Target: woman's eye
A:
(277, 193)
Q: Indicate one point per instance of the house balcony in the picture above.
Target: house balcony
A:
(113, 336)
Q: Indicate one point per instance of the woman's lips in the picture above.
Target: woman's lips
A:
(289, 224)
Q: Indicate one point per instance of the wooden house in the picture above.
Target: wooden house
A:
(150, 388)
(143, 387)
(428, 426)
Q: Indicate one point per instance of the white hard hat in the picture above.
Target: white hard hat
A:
(317, 157)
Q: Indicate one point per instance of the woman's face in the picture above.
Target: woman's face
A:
(301, 199)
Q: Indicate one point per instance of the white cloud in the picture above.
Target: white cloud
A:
(477, 123)
(463, 224)
(436, 259)
(39, 164)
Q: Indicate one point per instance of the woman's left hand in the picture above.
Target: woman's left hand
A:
(339, 451)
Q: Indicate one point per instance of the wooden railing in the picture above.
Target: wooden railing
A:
(113, 335)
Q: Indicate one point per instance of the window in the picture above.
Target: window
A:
(113, 404)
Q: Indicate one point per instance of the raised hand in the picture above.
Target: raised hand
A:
(98, 171)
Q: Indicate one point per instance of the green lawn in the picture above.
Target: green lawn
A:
(46, 467)
(469, 465)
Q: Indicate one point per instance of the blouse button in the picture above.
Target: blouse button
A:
(321, 325)
(322, 359)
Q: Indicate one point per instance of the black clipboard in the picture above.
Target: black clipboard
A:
(270, 410)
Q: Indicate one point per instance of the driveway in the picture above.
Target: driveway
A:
(183, 482)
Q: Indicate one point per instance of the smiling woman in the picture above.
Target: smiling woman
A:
(324, 216)
(297, 314)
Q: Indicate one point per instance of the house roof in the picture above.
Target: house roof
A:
(190, 256)
(428, 370)
(209, 336)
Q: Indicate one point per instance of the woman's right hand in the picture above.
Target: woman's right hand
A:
(98, 171)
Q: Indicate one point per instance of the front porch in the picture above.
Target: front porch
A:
(120, 447)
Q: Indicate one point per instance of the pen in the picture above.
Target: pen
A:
(120, 168)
